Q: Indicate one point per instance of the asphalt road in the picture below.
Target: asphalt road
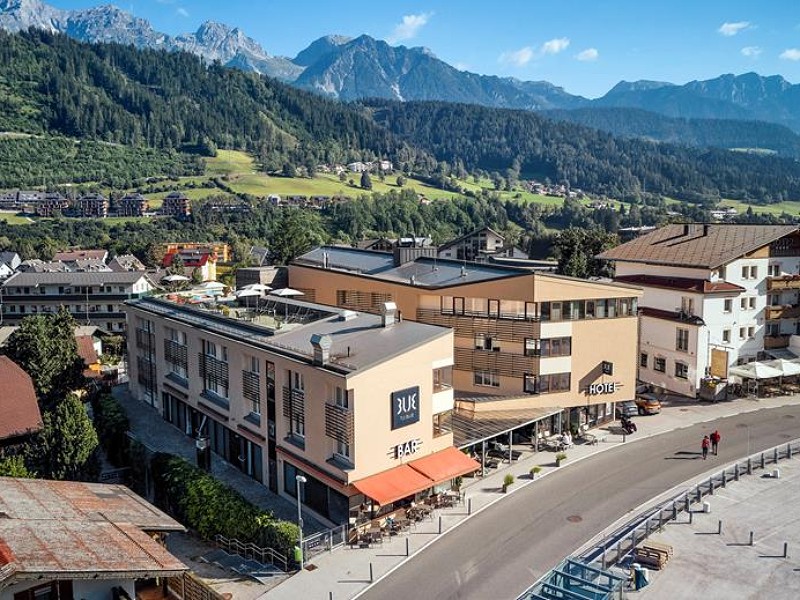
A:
(500, 552)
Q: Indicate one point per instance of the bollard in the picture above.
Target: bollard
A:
(724, 477)
(775, 456)
(691, 518)
(763, 461)
(687, 502)
(371, 578)
(407, 548)
(619, 551)
(788, 451)
(624, 437)
(660, 519)
(440, 524)
(751, 538)
(633, 539)
(719, 527)
(699, 494)
(736, 472)
(469, 506)
(785, 549)
(749, 466)
(674, 511)
(711, 485)
(603, 559)
(647, 529)
(330, 595)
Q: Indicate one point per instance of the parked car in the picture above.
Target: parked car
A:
(626, 408)
(648, 404)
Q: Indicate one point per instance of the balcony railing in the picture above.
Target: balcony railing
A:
(339, 423)
(503, 329)
(505, 363)
(776, 341)
(783, 282)
(784, 311)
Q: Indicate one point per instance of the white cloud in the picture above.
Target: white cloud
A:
(519, 58)
(555, 46)
(182, 12)
(751, 51)
(588, 55)
(791, 54)
(409, 27)
(729, 29)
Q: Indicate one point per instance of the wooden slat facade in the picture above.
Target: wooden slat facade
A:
(294, 405)
(505, 363)
(508, 330)
(339, 423)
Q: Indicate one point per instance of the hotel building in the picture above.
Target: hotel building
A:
(358, 404)
(522, 339)
(715, 296)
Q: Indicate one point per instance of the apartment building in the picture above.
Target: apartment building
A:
(131, 205)
(176, 204)
(91, 298)
(715, 295)
(523, 339)
(93, 206)
(348, 400)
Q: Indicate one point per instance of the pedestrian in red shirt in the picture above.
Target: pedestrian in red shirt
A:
(715, 438)
(705, 445)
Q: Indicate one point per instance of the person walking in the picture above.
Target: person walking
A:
(715, 438)
(705, 445)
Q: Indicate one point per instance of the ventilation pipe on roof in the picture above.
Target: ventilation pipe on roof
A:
(325, 260)
(388, 312)
(412, 280)
(463, 270)
(322, 348)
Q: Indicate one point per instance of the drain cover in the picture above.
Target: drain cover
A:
(574, 518)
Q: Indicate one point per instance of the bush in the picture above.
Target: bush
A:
(210, 507)
(535, 470)
(508, 480)
(112, 427)
(561, 456)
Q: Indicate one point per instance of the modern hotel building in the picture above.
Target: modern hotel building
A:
(357, 403)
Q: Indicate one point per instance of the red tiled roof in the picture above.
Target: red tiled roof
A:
(700, 286)
(19, 410)
(702, 245)
(86, 349)
(73, 255)
(81, 529)
(189, 260)
(668, 315)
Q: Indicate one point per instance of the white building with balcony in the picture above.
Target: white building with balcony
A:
(715, 296)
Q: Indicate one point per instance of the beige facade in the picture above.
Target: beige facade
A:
(275, 405)
(538, 338)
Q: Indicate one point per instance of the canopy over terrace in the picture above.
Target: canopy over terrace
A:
(473, 427)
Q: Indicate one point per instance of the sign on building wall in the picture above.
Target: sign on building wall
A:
(719, 363)
(597, 389)
(405, 407)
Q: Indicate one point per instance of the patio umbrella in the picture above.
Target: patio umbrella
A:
(259, 287)
(286, 293)
(756, 370)
(786, 367)
(174, 278)
(211, 285)
(247, 294)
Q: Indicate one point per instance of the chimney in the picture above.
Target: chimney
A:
(388, 312)
(322, 348)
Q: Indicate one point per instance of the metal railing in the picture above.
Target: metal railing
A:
(251, 551)
(613, 548)
(324, 541)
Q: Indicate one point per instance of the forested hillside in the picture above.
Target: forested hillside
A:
(496, 140)
(114, 93)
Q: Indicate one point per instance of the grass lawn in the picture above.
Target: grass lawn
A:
(791, 207)
(229, 161)
(12, 218)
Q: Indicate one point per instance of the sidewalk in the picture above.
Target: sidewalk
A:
(345, 572)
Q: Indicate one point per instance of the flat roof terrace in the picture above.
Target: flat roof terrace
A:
(285, 326)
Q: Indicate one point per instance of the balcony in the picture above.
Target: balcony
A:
(505, 363)
(783, 282)
(783, 311)
(776, 341)
(505, 328)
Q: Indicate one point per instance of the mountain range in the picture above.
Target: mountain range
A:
(363, 67)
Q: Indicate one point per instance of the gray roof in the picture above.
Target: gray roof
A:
(427, 272)
(358, 343)
(10, 258)
(73, 279)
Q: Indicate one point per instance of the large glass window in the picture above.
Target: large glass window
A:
(486, 378)
(547, 384)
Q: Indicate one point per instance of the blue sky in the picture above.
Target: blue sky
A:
(585, 46)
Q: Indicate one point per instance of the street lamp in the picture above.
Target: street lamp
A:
(300, 479)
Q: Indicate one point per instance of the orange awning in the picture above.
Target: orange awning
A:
(445, 464)
(393, 484)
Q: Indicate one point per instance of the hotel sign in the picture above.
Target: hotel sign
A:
(597, 389)
(405, 407)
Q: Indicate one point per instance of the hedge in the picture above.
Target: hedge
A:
(210, 507)
(112, 427)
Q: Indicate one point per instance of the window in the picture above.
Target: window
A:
(742, 333)
(681, 370)
(485, 342)
(660, 364)
(753, 272)
(342, 449)
(340, 397)
(297, 381)
(751, 332)
(556, 346)
(773, 329)
(547, 384)
(774, 270)
(486, 378)
(728, 305)
(643, 360)
(682, 340)
(743, 303)
(751, 302)
(726, 335)
(531, 347)
(687, 305)
(745, 272)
